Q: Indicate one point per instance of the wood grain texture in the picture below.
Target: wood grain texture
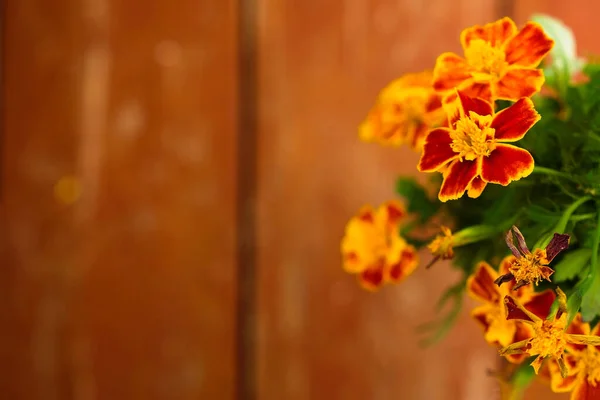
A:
(320, 336)
(129, 293)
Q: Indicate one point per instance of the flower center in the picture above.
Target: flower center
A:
(549, 338)
(488, 62)
(470, 140)
(442, 245)
(529, 267)
(590, 357)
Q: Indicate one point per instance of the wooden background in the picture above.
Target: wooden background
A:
(161, 159)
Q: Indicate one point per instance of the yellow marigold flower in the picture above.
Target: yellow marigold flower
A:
(373, 249)
(499, 61)
(442, 246)
(404, 111)
(583, 366)
(531, 267)
(499, 331)
(550, 338)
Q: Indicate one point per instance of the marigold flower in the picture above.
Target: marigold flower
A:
(492, 315)
(373, 249)
(531, 267)
(550, 338)
(404, 111)
(499, 61)
(474, 151)
(442, 245)
(583, 365)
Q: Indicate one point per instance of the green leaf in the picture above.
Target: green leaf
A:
(571, 264)
(417, 198)
(590, 303)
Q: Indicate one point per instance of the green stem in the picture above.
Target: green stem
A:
(562, 223)
(551, 172)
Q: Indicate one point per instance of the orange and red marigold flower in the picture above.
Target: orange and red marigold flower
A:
(474, 151)
(373, 249)
(499, 61)
(583, 365)
(404, 111)
(492, 315)
(531, 267)
(551, 338)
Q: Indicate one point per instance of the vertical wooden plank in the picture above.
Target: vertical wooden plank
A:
(128, 292)
(40, 98)
(157, 305)
(320, 336)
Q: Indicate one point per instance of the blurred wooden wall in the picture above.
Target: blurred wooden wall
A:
(126, 171)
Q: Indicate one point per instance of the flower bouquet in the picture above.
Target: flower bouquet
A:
(509, 140)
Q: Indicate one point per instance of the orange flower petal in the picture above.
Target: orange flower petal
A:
(578, 327)
(436, 151)
(540, 303)
(505, 265)
(512, 123)
(372, 278)
(457, 179)
(557, 382)
(586, 391)
(505, 164)
(496, 33)
(450, 70)
(482, 90)
(523, 332)
(517, 83)
(404, 267)
(463, 105)
(528, 47)
(476, 188)
(480, 285)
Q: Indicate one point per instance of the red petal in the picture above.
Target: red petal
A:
(481, 285)
(540, 303)
(558, 243)
(512, 123)
(480, 314)
(395, 211)
(404, 267)
(513, 311)
(495, 33)
(476, 187)
(586, 391)
(436, 151)
(474, 104)
(366, 214)
(450, 70)
(505, 164)
(517, 83)
(528, 47)
(457, 179)
(371, 278)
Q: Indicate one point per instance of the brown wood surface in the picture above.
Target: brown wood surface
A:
(129, 293)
